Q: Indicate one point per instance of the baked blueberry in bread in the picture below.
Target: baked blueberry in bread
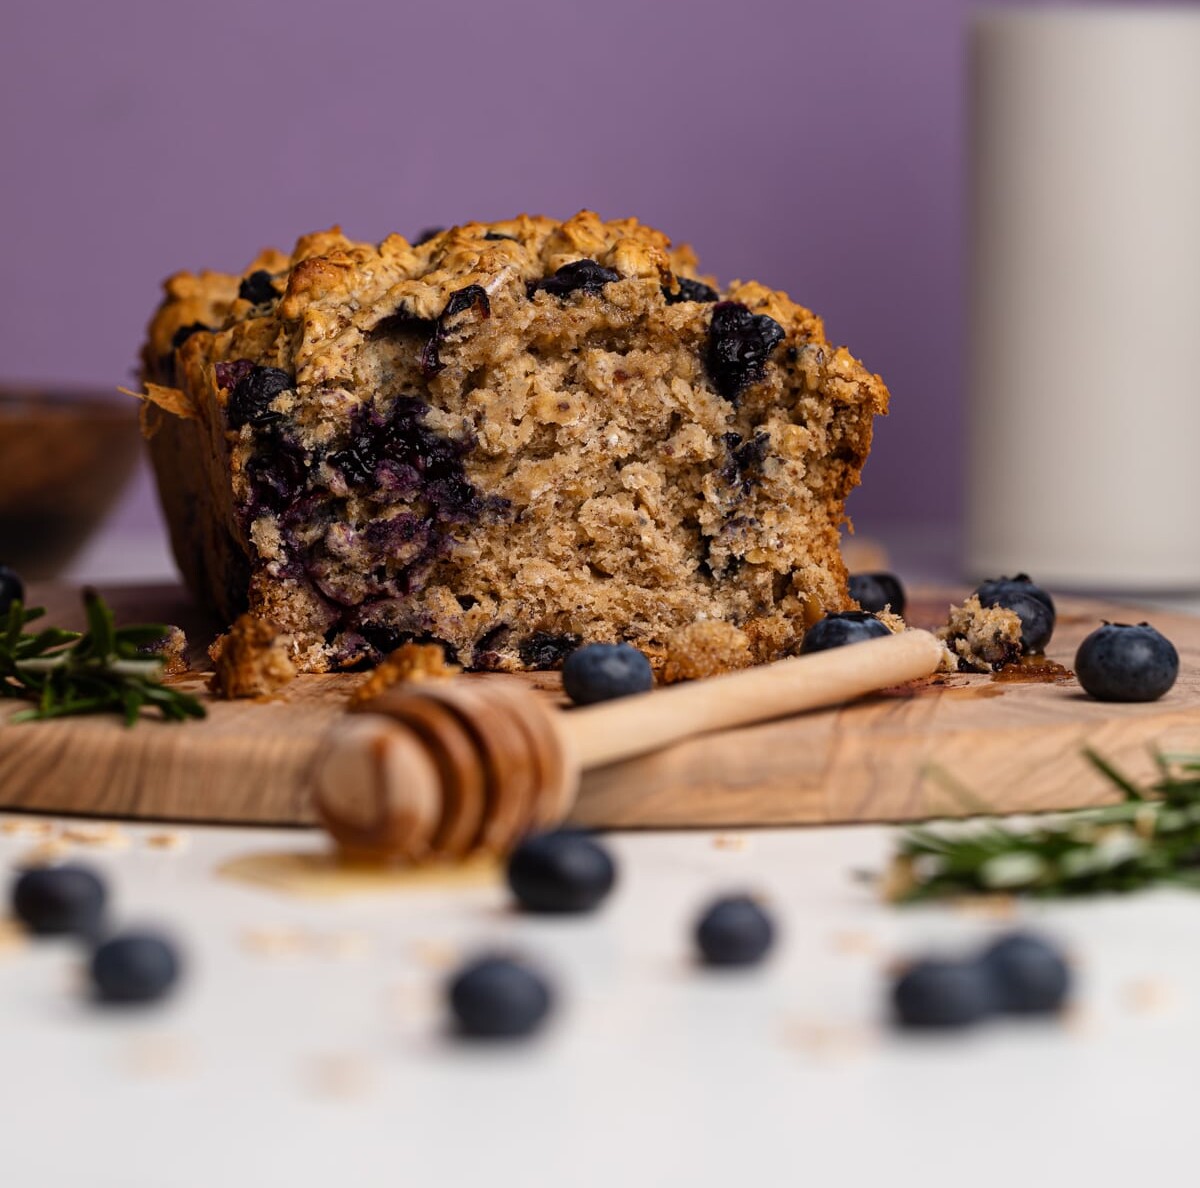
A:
(509, 438)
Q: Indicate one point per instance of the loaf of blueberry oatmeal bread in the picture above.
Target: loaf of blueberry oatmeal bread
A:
(508, 438)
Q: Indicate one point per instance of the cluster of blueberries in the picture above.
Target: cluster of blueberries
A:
(1019, 974)
(1116, 662)
(499, 996)
(70, 900)
(569, 872)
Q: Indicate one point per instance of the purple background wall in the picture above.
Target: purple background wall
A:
(813, 146)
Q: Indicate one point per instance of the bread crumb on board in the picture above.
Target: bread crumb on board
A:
(409, 662)
(171, 649)
(706, 648)
(251, 659)
(980, 638)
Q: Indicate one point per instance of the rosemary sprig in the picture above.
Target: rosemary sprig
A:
(105, 670)
(1151, 837)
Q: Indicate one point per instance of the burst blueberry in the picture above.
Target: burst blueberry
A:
(134, 967)
(545, 649)
(12, 589)
(185, 332)
(840, 628)
(600, 672)
(497, 997)
(739, 345)
(942, 994)
(1029, 975)
(1122, 662)
(734, 930)
(57, 900)
(875, 592)
(250, 400)
(258, 288)
(585, 275)
(561, 872)
(692, 290)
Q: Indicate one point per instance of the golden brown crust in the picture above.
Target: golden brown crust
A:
(620, 495)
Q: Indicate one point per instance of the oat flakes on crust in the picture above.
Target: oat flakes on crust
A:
(454, 450)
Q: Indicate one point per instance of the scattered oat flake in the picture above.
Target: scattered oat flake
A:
(105, 835)
(855, 941)
(159, 1056)
(48, 853)
(436, 955)
(12, 935)
(341, 1076)
(731, 841)
(1148, 996)
(28, 827)
(344, 944)
(986, 907)
(276, 942)
(169, 840)
(829, 1041)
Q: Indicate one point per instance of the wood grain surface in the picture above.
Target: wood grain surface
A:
(967, 744)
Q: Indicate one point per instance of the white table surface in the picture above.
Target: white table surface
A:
(328, 1061)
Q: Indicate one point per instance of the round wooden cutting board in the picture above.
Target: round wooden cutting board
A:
(948, 747)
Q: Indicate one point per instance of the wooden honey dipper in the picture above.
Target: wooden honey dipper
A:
(443, 769)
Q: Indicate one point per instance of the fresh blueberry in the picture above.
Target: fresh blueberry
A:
(249, 402)
(840, 628)
(1120, 662)
(258, 288)
(560, 872)
(1028, 974)
(12, 589)
(878, 591)
(739, 345)
(1022, 582)
(53, 900)
(734, 931)
(1032, 605)
(934, 993)
(134, 967)
(579, 274)
(185, 332)
(692, 290)
(499, 998)
(600, 672)
(543, 649)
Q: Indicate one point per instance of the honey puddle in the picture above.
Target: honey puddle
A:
(325, 876)
(1037, 669)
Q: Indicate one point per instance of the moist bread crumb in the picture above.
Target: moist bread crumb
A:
(172, 650)
(979, 638)
(411, 662)
(252, 659)
(705, 649)
(511, 438)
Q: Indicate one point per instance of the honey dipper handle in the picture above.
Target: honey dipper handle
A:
(634, 725)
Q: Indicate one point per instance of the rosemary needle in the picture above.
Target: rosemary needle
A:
(104, 670)
(1151, 837)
